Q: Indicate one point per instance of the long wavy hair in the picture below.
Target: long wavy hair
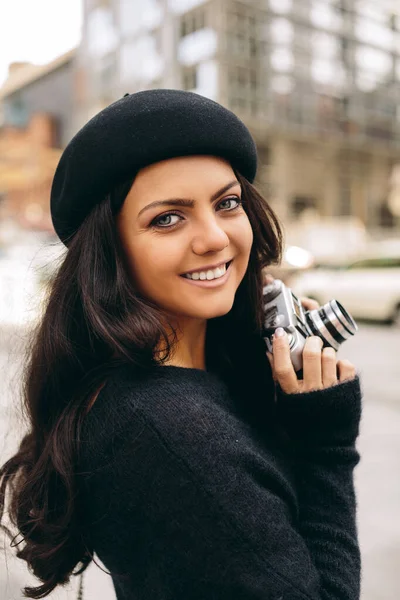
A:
(93, 321)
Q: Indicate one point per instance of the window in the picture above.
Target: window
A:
(281, 31)
(371, 9)
(282, 60)
(16, 112)
(325, 16)
(189, 78)
(197, 47)
(325, 45)
(243, 81)
(253, 108)
(99, 4)
(243, 85)
(136, 16)
(303, 203)
(344, 52)
(102, 35)
(370, 32)
(178, 7)
(244, 27)
(328, 72)
(105, 75)
(373, 67)
(253, 81)
(281, 6)
(253, 48)
(282, 85)
(141, 60)
(193, 21)
(341, 6)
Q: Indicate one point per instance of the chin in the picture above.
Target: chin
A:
(212, 311)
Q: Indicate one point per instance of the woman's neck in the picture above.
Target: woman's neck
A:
(189, 350)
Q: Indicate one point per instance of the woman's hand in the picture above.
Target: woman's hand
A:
(321, 369)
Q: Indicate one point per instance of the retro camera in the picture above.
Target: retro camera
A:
(331, 322)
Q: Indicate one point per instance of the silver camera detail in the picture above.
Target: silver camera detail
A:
(331, 322)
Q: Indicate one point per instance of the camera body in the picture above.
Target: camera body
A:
(331, 322)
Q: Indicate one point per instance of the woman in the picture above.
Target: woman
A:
(161, 437)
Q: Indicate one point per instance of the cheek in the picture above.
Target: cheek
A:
(152, 266)
(244, 241)
(250, 237)
(244, 237)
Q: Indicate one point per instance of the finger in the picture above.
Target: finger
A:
(309, 303)
(268, 279)
(312, 368)
(329, 370)
(284, 371)
(271, 362)
(346, 370)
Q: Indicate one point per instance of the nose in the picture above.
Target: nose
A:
(210, 237)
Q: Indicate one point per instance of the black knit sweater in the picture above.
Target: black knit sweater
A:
(187, 499)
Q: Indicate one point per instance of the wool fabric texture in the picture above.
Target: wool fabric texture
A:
(134, 132)
(184, 498)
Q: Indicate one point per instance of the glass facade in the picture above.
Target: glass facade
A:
(317, 65)
(330, 66)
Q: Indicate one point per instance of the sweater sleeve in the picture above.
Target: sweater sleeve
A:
(323, 427)
(187, 504)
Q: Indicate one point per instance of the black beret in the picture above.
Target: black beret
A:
(135, 131)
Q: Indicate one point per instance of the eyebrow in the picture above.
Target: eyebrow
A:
(188, 202)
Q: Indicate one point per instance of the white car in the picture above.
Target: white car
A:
(368, 288)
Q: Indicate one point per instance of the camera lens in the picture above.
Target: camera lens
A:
(332, 323)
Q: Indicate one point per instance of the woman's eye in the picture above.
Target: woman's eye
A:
(166, 220)
(230, 203)
(169, 220)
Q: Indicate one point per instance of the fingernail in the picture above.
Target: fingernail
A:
(279, 332)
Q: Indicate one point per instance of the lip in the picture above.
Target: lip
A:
(208, 268)
(212, 283)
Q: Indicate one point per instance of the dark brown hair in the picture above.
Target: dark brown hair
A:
(93, 322)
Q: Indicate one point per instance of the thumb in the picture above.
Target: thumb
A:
(271, 362)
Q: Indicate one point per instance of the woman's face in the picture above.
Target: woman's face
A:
(183, 215)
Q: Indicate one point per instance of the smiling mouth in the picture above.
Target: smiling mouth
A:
(208, 275)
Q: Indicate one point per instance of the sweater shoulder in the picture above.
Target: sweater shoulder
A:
(129, 390)
(162, 397)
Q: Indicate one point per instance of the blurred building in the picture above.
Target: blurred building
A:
(36, 104)
(316, 81)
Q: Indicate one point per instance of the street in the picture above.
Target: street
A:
(375, 353)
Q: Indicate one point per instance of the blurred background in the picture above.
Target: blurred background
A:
(318, 84)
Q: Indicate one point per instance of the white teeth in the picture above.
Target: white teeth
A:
(209, 275)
